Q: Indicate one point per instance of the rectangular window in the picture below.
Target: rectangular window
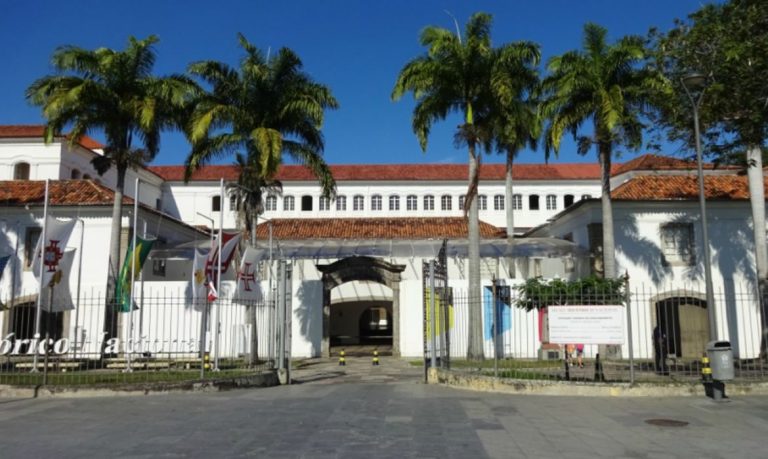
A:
(31, 237)
(677, 243)
(568, 200)
(325, 203)
(498, 202)
(517, 201)
(462, 198)
(216, 203)
(482, 202)
(158, 267)
(551, 202)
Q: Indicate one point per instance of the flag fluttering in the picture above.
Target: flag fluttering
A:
(247, 278)
(134, 260)
(199, 279)
(57, 235)
(58, 284)
(228, 245)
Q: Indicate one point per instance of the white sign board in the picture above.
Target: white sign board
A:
(602, 324)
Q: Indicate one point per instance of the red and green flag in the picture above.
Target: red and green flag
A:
(136, 260)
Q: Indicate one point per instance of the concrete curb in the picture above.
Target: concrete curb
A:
(586, 389)
(112, 390)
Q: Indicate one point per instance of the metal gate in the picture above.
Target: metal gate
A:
(437, 301)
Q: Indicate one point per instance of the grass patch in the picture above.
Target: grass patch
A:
(117, 378)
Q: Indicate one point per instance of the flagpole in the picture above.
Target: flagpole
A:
(79, 276)
(40, 272)
(218, 277)
(128, 368)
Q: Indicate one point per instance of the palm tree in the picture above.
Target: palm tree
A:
(248, 193)
(455, 76)
(114, 92)
(601, 84)
(516, 120)
(263, 110)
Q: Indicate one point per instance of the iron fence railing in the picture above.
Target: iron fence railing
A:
(167, 337)
(666, 334)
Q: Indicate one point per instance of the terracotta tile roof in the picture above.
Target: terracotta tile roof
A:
(373, 228)
(651, 162)
(28, 131)
(398, 172)
(60, 193)
(682, 187)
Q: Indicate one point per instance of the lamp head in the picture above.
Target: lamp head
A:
(694, 81)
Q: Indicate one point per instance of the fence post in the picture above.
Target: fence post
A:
(432, 321)
(630, 347)
(495, 328)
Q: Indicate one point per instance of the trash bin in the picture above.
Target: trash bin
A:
(720, 360)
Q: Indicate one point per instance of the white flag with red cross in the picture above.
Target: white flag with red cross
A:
(51, 251)
(248, 288)
(229, 243)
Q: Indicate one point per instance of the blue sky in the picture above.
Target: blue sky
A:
(356, 47)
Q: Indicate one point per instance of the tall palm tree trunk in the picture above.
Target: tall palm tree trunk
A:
(609, 255)
(475, 338)
(508, 197)
(757, 201)
(110, 315)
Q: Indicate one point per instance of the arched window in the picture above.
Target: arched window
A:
(341, 202)
(498, 202)
(429, 202)
(216, 203)
(568, 200)
(306, 203)
(271, 203)
(358, 203)
(462, 198)
(75, 174)
(586, 196)
(482, 202)
(289, 203)
(446, 202)
(376, 202)
(411, 202)
(517, 201)
(21, 171)
(551, 202)
(324, 203)
(533, 202)
(394, 202)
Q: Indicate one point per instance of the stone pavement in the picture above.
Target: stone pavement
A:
(379, 412)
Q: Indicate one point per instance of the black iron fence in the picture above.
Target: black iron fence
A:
(642, 333)
(166, 337)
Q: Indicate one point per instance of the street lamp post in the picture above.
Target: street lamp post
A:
(695, 83)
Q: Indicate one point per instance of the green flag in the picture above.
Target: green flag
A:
(143, 247)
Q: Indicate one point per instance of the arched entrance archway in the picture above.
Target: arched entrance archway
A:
(684, 321)
(361, 269)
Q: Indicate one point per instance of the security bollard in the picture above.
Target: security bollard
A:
(342, 360)
(706, 371)
(375, 361)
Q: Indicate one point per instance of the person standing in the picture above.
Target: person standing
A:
(660, 350)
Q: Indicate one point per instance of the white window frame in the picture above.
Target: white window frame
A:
(394, 202)
(551, 202)
(429, 202)
(517, 202)
(482, 202)
(498, 202)
(289, 203)
(677, 243)
(412, 202)
(341, 203)
(270, 204)
(324, 203)
(376, 202)
(358, 203)
(446, 202)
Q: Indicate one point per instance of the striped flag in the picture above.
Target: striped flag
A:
(133, 261)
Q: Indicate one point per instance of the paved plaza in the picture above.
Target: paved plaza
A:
(379, 412)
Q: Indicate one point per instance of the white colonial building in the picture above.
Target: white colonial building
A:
(358, 260)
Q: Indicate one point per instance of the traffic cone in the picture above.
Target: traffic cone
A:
(375, 361)
(342, 360)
